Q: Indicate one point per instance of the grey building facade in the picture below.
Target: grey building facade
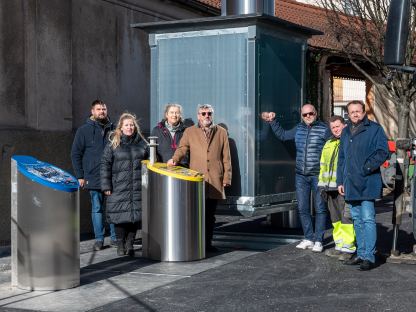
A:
(56, 57)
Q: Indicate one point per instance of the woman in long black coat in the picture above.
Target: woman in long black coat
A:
(121, 180)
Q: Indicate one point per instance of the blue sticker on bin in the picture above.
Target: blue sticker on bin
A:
(46, 174)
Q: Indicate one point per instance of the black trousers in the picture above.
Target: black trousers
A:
(338, 210)
(126, 231)
(210, 207)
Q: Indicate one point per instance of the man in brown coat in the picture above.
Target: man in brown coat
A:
(209, 153)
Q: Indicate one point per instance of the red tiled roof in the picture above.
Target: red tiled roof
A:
(308, 16)
(213, 3)
(303, 14)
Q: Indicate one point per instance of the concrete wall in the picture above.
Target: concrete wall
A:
(56, 57)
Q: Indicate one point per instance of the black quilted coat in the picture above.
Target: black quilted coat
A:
(121, 174)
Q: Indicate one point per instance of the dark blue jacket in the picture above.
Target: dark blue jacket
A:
(87, 150)
(309, 142)
(360, 157)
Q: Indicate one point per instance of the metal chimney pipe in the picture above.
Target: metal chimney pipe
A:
(239, 7)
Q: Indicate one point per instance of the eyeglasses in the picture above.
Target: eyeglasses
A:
(206, 113)
(308, 114)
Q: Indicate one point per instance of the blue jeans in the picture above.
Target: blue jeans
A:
(364, 217)
(97, 216)
(304, 186)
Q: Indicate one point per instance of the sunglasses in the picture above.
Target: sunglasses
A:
(308, 114)
(206, 113)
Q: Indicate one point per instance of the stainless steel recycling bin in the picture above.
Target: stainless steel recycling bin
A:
(173, 213)
(44, 226)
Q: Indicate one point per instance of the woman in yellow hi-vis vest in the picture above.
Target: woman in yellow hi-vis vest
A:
(343, 232)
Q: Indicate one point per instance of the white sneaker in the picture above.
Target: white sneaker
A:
(305, 244)
(317, 247)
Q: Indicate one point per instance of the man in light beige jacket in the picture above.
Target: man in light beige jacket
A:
(209, 154)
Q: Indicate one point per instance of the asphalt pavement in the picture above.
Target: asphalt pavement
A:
(238, 278)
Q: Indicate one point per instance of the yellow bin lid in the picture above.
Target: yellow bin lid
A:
(175, 171)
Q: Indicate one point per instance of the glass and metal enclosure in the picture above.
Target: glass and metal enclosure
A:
(242, 65)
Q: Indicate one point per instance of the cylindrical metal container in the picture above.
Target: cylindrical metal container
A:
(239, 7)
(173, 213)
(45, 226)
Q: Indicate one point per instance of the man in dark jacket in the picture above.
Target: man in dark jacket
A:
(363, 149)
(87, 149)
(310, 136)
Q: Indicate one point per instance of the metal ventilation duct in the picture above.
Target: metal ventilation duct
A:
(239, 7)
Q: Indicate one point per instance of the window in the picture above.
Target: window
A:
(346, 90)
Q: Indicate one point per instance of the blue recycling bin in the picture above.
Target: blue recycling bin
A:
(44, 225)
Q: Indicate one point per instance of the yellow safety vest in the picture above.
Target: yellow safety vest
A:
(329, 162)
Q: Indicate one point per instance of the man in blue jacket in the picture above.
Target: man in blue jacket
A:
(310, 136)
(87, 149)
(363, 149)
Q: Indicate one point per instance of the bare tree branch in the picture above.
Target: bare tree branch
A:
(359, 28)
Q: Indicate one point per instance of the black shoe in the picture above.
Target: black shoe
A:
(366, 265)
(353, 261)
(113, 243)
(210, 248)
(98, 245)
(130, 252)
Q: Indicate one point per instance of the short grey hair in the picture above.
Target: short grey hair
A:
(169, 105)
(205, 106)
